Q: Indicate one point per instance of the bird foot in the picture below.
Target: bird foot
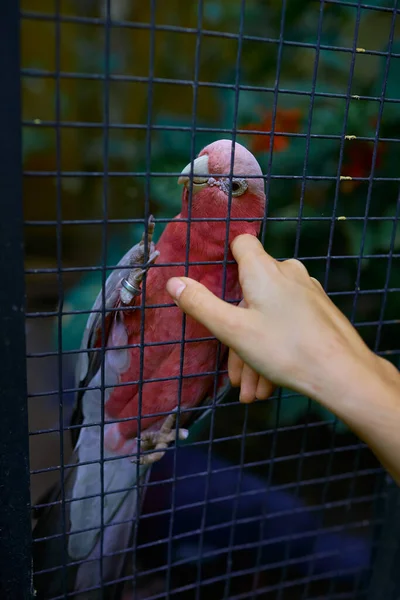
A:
(130, 286)
(158, 441)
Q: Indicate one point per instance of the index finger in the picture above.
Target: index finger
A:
(249, 246)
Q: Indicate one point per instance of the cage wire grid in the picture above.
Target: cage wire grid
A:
(285, 585)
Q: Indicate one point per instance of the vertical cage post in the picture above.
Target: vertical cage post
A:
(15, 529)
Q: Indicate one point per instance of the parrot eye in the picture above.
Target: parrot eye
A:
(239, 186)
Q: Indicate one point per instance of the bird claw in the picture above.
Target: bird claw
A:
(158, 441)
(130, 286)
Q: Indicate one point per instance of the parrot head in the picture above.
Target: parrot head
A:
(212, 187)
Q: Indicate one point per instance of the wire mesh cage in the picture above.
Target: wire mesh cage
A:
(278, 499)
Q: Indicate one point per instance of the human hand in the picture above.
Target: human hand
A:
(287, 331)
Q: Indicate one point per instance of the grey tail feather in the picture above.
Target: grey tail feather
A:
(50, 555)
(116, 546)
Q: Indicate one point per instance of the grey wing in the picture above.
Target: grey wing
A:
(88, 363)
(96, 477)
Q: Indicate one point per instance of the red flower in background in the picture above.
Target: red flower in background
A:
(358, 162)
(286, 121)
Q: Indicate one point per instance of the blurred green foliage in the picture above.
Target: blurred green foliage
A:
(330, 105)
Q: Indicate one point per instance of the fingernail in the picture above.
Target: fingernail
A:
(175, 287)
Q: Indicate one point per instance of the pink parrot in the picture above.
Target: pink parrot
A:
(160, 362)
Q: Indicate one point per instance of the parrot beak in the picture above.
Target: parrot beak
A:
(200, 170)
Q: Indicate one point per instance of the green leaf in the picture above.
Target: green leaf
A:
(36, 140)
(213, 12)
(332, 59)
(385, 231)
(354, 235)
(166, 193)
(393, 78)
(292, 407)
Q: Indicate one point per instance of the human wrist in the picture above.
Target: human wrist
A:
(370, 405)
(357, 388)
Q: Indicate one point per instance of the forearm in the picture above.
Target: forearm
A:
(368, 400)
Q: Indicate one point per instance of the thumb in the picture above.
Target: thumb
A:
(221, 318)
